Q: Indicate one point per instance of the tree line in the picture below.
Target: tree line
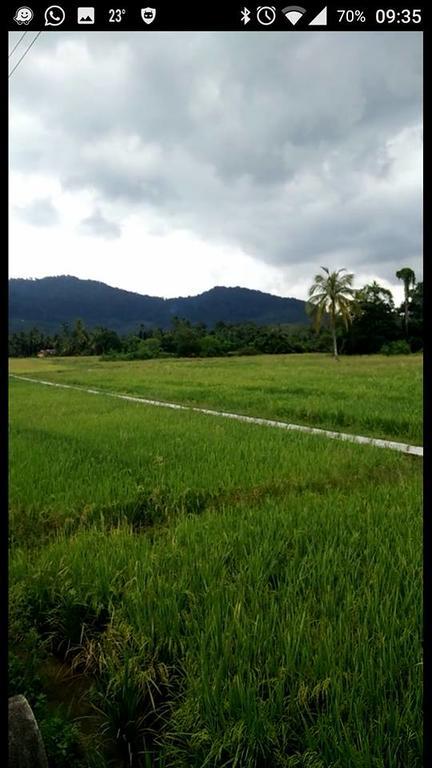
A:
(346, 321)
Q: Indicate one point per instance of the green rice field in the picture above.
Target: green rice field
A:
(371, 395)
(193, 591)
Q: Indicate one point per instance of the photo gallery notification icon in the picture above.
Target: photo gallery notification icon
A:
(86, 15)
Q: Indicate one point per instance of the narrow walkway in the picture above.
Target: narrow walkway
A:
(415, 450)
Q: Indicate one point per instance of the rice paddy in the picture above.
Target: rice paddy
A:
(371, 395)
(231, 595)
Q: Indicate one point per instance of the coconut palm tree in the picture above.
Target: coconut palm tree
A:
(331, 294)
(408, 276)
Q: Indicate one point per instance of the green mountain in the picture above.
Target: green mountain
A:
(50, 301)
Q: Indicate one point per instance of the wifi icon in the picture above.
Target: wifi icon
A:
(293, 13)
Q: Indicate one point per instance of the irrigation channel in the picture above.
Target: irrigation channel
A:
(415, 450)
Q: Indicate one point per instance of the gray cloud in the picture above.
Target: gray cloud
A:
(97, 225)
(295, 147)
(40, 213)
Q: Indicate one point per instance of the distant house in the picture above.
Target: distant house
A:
(46, 352)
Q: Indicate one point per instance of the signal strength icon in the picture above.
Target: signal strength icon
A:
(293, 13)
(320, 19)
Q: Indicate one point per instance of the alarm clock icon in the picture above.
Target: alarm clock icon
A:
(266, 14)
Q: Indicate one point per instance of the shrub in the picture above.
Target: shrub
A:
(210, 346)
(147, 349)
(400, 347)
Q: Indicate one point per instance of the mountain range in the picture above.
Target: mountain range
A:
(50, 301)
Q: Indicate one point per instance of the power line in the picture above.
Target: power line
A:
(16, 46)
(25, 53)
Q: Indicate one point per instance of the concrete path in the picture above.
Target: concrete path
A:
(415, 450)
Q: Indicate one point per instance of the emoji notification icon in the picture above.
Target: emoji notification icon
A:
(23, 15)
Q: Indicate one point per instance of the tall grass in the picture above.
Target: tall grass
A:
(264, 634)
(234, 595)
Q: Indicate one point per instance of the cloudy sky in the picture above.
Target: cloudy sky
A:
(167, 163)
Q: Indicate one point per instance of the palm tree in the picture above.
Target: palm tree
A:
(408, 276)
(331, 294)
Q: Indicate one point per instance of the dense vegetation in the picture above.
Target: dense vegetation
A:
(216, 593)
(376, 326)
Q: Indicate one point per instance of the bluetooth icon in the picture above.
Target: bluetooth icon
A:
(245, 15)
